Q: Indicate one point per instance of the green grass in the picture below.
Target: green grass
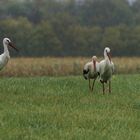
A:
(61, 108)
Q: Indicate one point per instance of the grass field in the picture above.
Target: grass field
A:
(62, 108)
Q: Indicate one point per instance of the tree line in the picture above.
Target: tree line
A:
(70, 27)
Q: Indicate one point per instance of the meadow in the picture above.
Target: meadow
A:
(62, 108)
(48, 99)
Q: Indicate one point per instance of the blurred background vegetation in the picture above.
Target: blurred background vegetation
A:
(71, 27)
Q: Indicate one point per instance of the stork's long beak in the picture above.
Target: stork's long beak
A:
(94, 64)
(12, 45)
(109, 56)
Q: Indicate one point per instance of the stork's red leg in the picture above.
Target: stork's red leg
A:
(103, 88)
(109, 86)
(89, 85)
(93, 84)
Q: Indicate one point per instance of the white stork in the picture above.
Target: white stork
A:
(4, 57)
(106, 69)
(91, 71)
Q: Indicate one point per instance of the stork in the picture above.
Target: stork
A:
(106, 69)
(4, 57)
(91, 71)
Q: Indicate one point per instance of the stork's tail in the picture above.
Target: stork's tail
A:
(85, 73)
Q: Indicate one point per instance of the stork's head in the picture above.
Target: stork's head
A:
(8, 43)
(107, 53)
(107, 50)
(94, 58)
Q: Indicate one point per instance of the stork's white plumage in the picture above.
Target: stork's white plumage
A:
(106, 69)
(91, 71)
(4, 57)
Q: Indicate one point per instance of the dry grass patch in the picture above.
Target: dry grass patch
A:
(56, 66)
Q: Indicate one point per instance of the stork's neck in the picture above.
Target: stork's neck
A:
(6, 51)
(106, 56)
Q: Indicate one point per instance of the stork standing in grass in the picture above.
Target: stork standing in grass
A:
(91, 71)
(106, 69)
(4, 57)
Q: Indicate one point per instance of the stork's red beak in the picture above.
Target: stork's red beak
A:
(11, 45)
(94, 64)
(109, 56)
